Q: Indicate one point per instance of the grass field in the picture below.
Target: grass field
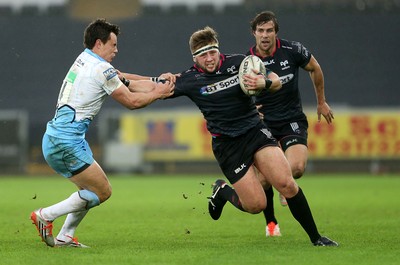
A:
(164, 220)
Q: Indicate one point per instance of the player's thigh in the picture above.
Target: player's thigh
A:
(275, 168)
(94, 179)
(250, 192)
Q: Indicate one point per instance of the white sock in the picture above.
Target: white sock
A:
(71, 223)
(73, 204)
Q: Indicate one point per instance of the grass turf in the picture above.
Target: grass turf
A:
(164, 220)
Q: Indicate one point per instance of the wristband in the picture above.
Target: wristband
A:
(268, 83)
(125, 81)
(154, 79)
(158, 80)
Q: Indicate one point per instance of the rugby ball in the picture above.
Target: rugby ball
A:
(250, 62)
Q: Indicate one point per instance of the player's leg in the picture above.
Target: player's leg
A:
(293, 141)
(235, 158)
(297, 156)
(91, 181)
(275, 168)
(73, 160)
(66, 235)
(94, 189)
(246, 195)
(271, 226)
(250, 192)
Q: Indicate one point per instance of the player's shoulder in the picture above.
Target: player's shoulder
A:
(189, 72)
(291, 45)
(234, 56)
(103, 69)
(232, 59)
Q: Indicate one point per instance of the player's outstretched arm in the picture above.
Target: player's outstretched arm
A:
(137, 100)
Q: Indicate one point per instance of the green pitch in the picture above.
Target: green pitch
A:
(164, 220)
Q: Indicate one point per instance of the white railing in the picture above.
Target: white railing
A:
(17, 5)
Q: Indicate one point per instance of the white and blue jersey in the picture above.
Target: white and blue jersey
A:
(88, 82)
(85, 87)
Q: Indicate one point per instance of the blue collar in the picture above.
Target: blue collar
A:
(94, 54)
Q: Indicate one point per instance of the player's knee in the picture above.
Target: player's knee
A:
(297, 173)
(256, 207)
(288, 188)
(298, 170)
(105, 194)
(91, 198)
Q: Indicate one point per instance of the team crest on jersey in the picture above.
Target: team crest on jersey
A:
(285, 65)
(232, 70)
(109, 73)
(221, 85)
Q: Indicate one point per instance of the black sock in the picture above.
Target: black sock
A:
(269, 212)
(230, 195)
(298, 205)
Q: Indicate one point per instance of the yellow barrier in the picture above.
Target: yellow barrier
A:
(358, 135)
(182, 136)
(169, 136)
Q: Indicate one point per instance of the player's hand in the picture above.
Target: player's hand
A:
(120, 76)
(254, 81)
(169, 76)
(324, 110)
(165, 89)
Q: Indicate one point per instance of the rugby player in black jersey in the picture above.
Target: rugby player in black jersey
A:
(282, 111)
(240, 139)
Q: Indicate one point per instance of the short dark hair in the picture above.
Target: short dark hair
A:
(262, 18)
(98, 29)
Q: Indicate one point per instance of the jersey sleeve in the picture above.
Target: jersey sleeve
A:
(300, 53)
(179, 87)
(107, 77)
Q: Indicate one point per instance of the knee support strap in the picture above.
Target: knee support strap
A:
(90, 197)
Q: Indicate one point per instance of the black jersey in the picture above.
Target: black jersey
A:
(227, 110)
(285, 104)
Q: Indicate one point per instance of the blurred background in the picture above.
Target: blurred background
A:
(355, 41)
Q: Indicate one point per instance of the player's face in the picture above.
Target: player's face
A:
(265, 38)
(208, 61)
(109, 49)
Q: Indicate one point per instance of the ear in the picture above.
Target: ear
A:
(98, 43)
(194, 59)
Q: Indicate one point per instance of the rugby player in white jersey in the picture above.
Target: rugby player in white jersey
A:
(88, 82)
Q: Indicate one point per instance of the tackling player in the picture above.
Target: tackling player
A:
(88, 82)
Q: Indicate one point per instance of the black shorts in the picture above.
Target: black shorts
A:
(235, 155)
(290, 133)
